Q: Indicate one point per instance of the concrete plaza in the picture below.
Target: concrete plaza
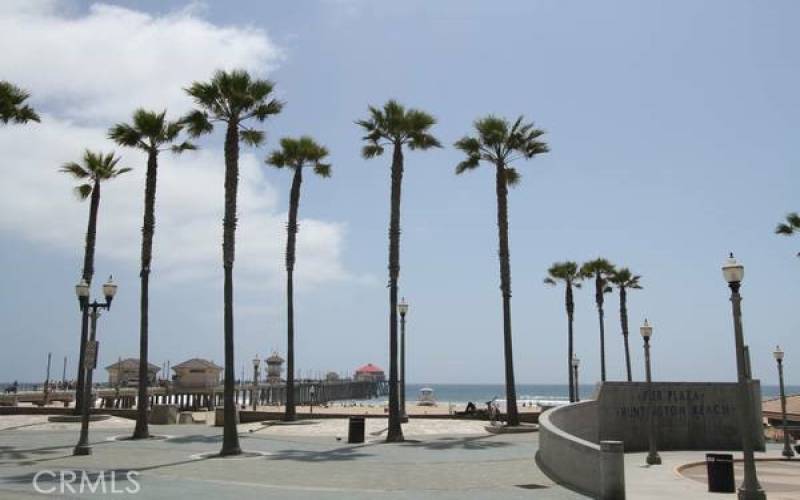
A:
(441, 460)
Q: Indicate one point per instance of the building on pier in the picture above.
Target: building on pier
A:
(274, 368)
(197, 373)
(125, 373)
(369, 373)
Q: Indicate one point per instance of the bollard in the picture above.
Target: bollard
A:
(612, 470)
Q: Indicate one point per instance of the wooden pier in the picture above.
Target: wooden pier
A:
(209, 398)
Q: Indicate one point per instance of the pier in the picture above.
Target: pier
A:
(209, 398)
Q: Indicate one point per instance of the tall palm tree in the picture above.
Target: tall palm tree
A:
(395, 126)
(567, 273)
(152, 133)
(501, 143)
(94, 169)
(295, 154)
(600, 270)
(625, 280)
(233, 98)
(12, 105)
(790, 227)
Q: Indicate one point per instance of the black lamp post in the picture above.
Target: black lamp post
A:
(402, 308)
(575, 364)
(256, 364)
(90, 356)
(652, 455)
(733, 272)
(787, 446)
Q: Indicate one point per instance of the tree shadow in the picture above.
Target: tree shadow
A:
(342, 454)
(196, 438)
(467, 443)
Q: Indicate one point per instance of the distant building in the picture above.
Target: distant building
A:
(126, 372)
(369, 373)
(197, 373)
(274, 368)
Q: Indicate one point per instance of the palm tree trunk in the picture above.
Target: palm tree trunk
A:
(623, 318)
(148, 229)
(570, 313)
(230, 441)
(505, 287)
(598, 297)
(291, 241)
(395, 431)
(88, 273)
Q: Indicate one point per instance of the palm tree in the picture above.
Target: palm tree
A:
(790, 227)
(624, 281)
(501, 143)
(151, 133)
(567, 272)
(599, 270)
(232, 98)
(95, 169)
(395, 126)
(12, 107)
(295, 154)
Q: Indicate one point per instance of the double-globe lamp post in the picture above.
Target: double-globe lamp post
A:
(256, 364)
(90, 355)
(646, 330)
(787, 446)
(733, 272)
(575, 364)
(402, 308)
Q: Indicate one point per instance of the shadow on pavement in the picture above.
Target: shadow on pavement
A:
(468, 443)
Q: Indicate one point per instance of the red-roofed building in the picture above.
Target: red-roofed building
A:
(370, 373)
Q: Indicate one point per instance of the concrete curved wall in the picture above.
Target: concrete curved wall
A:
(570, 454)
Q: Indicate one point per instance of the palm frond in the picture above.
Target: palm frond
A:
(252, 137)
(371, 151)
(512, 176)
(83, 191)
(197, 123)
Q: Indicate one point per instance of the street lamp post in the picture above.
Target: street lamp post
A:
(733, 272)
(311, 392)
(787, 446)
(256, 364)
(402, 308)
(652, 455)
(90, 356)
(575, 364)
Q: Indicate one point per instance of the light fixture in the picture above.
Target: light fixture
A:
(646, 330)
(733, 270)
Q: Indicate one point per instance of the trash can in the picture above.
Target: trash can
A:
(355, 433)
(719, 467)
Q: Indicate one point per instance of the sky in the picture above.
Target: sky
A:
(673, 134)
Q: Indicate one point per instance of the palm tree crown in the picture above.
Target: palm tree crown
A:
(12, 107)
(601, 268)
(297, 153)
(232, 97)
(96, 167)
(791, 226)
(501, 143)
(150, 131)
(396, 125)
(624, 278)
(567, 272)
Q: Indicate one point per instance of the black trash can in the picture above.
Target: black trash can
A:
(720, 473)
(355, 433)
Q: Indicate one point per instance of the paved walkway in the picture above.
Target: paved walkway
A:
(288, 466)
(780, 480)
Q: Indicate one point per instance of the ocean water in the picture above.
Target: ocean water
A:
(481, 393)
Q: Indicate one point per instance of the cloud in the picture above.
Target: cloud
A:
(92, 69)
(98, 66)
